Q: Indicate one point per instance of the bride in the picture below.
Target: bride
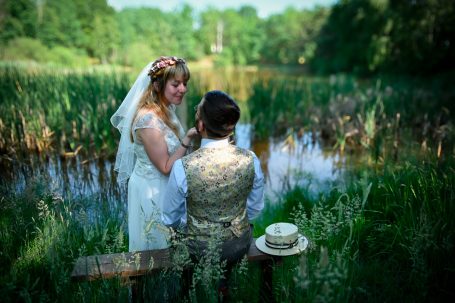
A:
(152, 139)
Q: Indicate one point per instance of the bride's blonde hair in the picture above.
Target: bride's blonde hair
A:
(162, 70)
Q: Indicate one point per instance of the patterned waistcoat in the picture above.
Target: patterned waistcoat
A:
(219, 182)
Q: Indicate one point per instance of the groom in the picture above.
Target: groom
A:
(220, 185)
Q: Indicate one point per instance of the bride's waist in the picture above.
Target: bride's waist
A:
(147, 170)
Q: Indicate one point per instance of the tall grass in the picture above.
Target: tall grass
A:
(56, 109)
(352, 113)
(42, 234)
(386, 236)
(45, 108)
(389, 236)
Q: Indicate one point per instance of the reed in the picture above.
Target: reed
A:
(41, 234)
(349, 113)
(386, 234)
(390, 227)
(386, 237)
(47, 108)
(55, 109)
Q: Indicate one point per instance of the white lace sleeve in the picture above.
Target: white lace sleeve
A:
(149, 120)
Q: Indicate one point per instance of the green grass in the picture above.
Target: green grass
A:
(355, 113)
(51, 109)
(58, 109)
(387, 236)
(41, 235)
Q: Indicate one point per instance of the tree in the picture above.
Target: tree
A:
(149, 27)
(183, 31)
(236, 36)
(207, 32)
(252, 37)
(422, 37)
(291, 36)
(98, 24)
(17, 19)
(370, 36)
(346, 41)
(58, 23)
(104, 37)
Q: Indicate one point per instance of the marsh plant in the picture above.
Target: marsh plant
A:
(41, 236)
(323, 281)
(47, 109)
(352, 114)
(389, 228)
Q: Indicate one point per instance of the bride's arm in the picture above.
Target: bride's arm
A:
(156, 148)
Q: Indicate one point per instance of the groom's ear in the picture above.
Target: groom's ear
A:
(200, 126)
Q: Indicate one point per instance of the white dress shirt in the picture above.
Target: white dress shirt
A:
(174, 200)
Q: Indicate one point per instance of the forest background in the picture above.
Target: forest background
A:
(363, 87)
(354, 36)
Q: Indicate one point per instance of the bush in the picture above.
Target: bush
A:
(137, 55)
(24, 49)
(68, 57)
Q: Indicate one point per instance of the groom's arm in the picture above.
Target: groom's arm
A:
(255, 201)
(173, 203)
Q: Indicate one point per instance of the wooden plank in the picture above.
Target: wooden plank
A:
(120, 265)
(254, 254)
(131, 264)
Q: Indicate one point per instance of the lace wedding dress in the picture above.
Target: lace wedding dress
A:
(145, 187)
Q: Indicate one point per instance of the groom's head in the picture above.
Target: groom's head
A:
(219, 114)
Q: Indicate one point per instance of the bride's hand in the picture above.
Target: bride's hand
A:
(191, 133)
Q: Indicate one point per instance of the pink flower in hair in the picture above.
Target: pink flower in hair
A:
(162, 63)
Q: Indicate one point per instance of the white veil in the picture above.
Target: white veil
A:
(122, 119)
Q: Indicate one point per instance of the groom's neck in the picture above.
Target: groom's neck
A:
(214, 138)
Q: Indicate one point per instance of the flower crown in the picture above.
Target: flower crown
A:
(162, 63)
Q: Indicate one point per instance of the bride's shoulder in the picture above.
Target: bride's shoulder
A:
(148, 118)
(146, 113)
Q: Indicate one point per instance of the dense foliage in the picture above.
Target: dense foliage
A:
(384, 233)
(386, 237)
(381, 35)
(362, 36)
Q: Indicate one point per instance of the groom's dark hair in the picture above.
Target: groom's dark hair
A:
(220, 113)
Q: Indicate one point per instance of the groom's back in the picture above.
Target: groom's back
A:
(219, 181)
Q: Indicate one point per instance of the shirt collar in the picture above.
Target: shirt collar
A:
(212, 143)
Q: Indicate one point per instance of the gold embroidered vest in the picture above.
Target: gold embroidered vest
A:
(219, 181)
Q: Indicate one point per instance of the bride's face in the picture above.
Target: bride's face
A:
(174, 90)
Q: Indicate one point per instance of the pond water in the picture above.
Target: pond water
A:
(286, 162)
(284, 118)
(294, 160)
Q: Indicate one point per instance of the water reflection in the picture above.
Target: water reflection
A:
(92, 180)
(298, 159)
(294, 160)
